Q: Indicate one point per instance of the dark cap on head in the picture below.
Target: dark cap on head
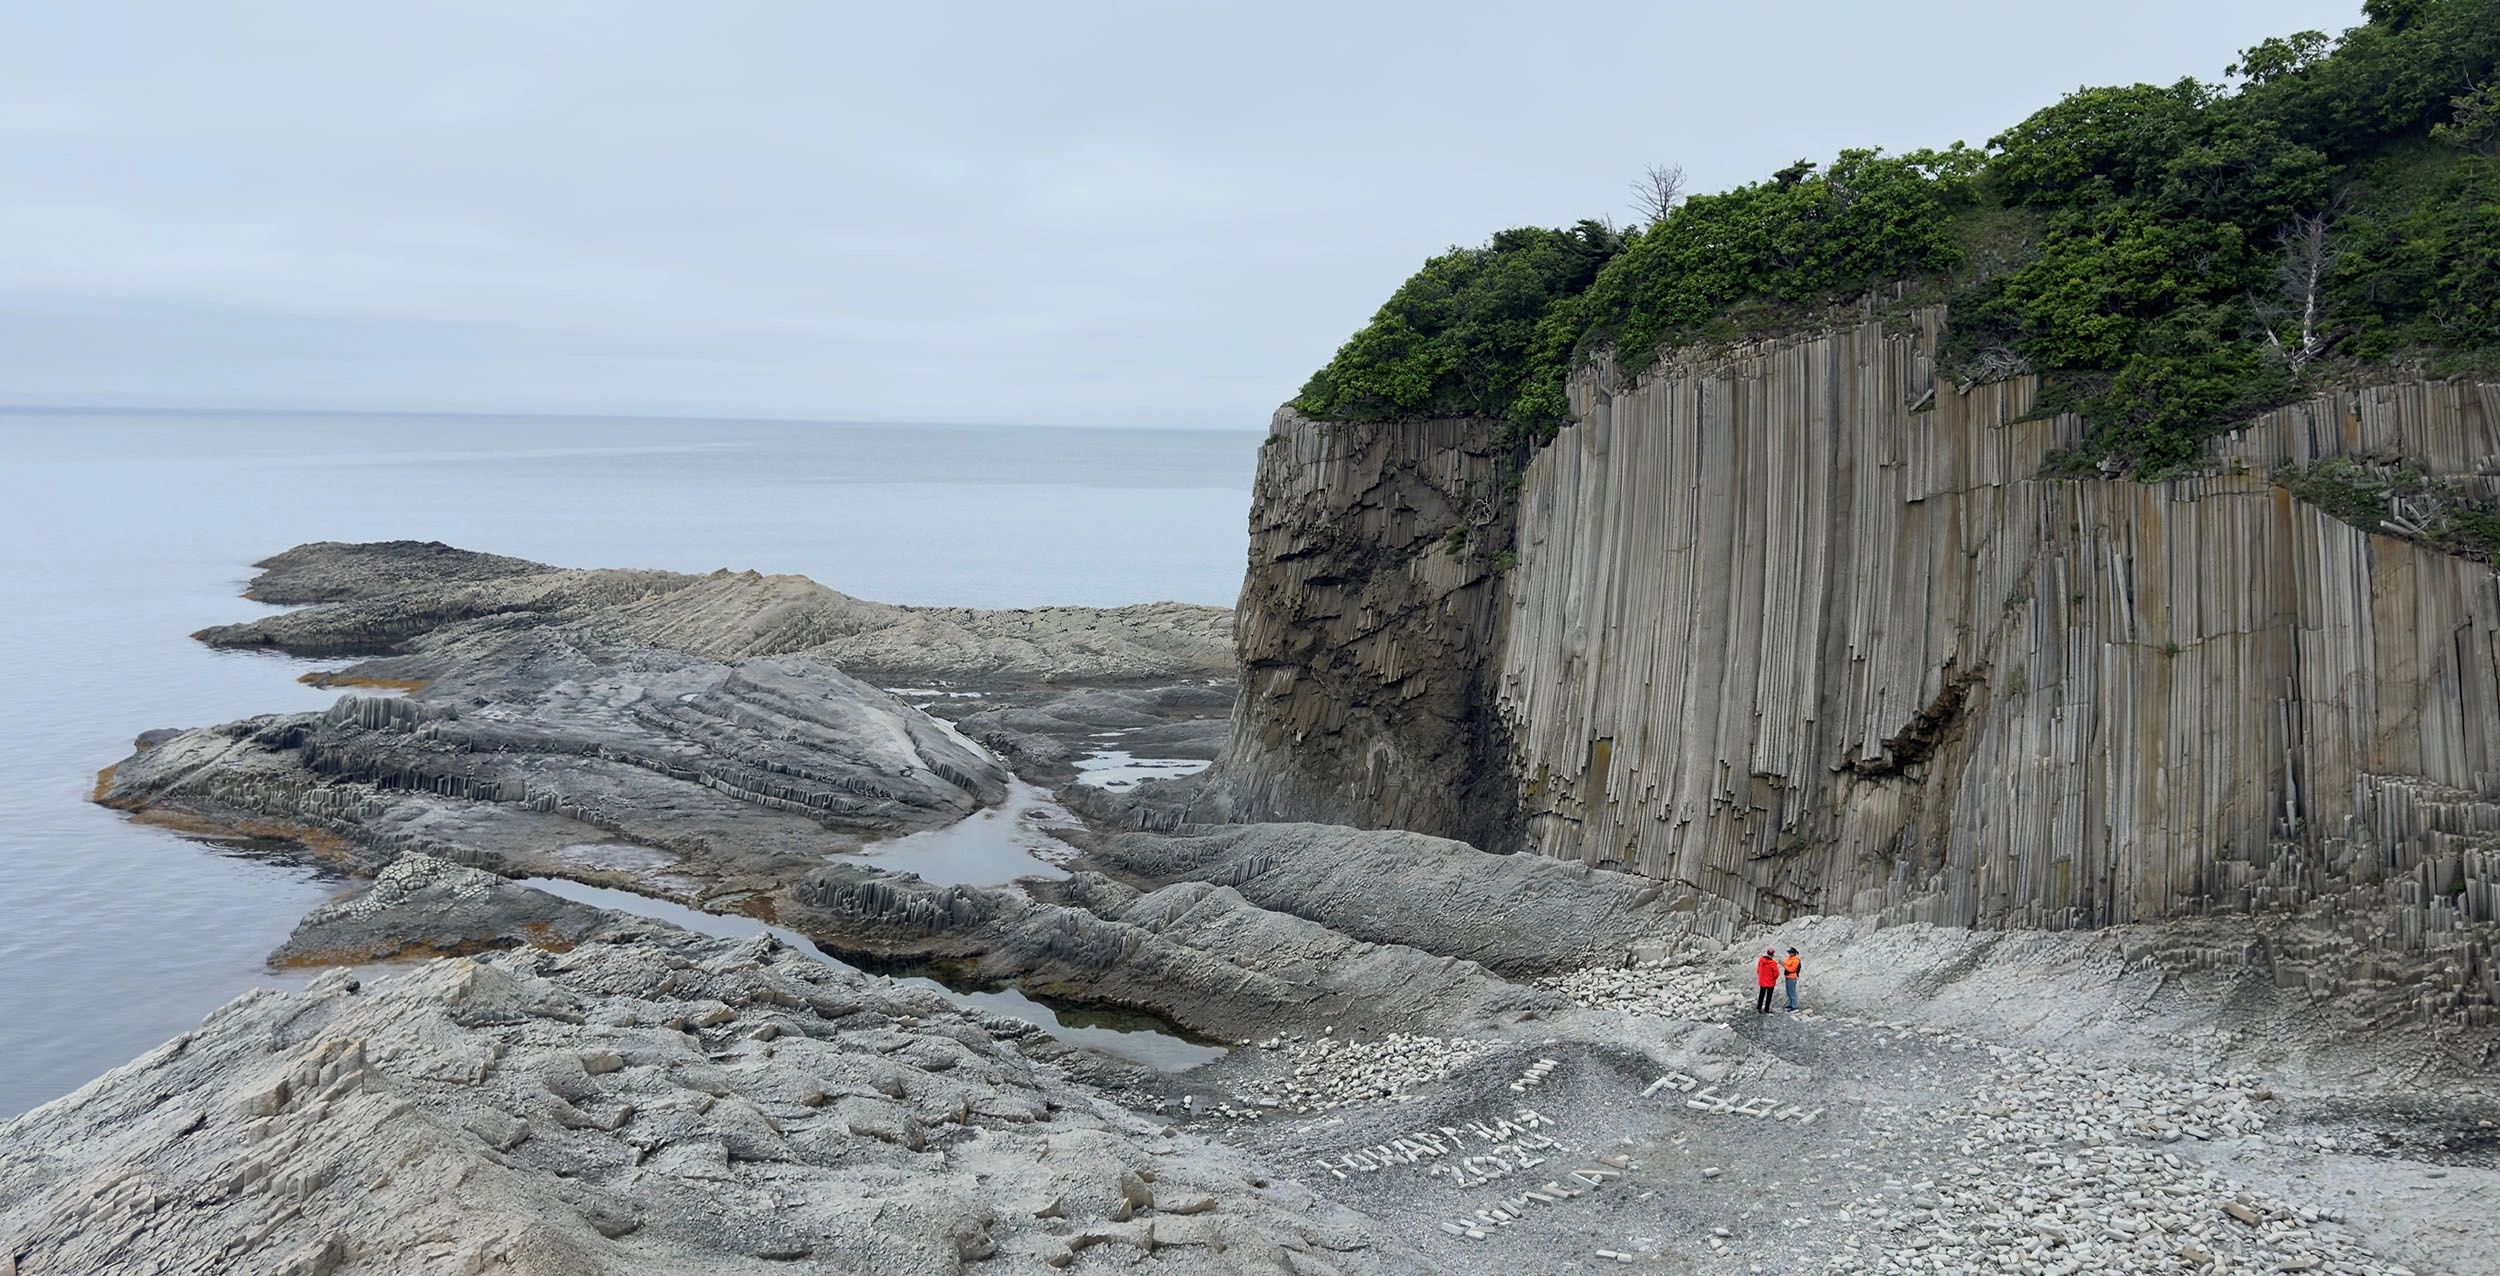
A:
(1792, 950)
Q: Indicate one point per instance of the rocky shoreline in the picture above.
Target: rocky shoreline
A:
(1444, 1060)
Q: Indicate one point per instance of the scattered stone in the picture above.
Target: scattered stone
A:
(1331, 1072)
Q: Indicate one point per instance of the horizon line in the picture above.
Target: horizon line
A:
(94, 409)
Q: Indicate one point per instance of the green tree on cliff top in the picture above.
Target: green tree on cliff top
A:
(2170, 259)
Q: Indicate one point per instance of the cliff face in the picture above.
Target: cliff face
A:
(1366, 645)
(1795, 626)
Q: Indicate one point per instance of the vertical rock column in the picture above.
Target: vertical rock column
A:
(1800, 627)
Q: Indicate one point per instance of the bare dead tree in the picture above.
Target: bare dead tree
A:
(1657, 191)
(1996, 363)
(2476, 125)
(2310, 253)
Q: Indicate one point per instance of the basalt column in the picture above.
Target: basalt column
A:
(1802, 627)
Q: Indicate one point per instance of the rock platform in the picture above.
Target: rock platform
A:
(649, 1101)
(689, 736)
(1442, 1060)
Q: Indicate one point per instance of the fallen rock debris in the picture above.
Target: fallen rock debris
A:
(1662, 988)
(1331, 1072)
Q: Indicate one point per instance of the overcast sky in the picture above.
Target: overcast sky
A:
(1080, 213)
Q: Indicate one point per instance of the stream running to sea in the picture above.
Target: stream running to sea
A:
(128, 531)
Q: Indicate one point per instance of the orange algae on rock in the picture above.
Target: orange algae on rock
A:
(328, 678)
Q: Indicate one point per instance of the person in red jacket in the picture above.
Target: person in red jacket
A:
(1766, 972)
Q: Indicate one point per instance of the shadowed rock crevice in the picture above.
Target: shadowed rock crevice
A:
(1926, 733)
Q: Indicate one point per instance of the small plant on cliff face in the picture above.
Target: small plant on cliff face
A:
(2400, 502)
(1503, 561)
(1455, 543)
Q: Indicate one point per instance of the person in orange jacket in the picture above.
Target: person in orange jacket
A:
(1788, 972)
(1766, 972)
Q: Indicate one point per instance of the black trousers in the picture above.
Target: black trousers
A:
(1762, 1004)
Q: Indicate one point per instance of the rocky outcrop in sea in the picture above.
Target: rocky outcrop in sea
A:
(687, 735)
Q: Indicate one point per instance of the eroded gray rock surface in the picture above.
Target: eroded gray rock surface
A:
(534, 748)
(648, 1102)
(398, 598)
(688, 735)
(1044, 735)
(599, 1092)
(1195, 953)
(1515, 914)
(420, 906)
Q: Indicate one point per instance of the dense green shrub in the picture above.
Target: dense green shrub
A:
(2170, 258)
(1798, 238)
(1454, 340)
(2210, 249)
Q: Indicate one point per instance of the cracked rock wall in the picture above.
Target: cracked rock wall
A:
(1365, 643)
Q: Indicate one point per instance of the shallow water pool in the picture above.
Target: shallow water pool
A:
(990, 847)
(1118, 771)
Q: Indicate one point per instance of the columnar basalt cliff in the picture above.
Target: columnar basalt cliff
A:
(1799, 626)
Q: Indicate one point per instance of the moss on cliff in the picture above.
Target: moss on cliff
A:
(2174, 258)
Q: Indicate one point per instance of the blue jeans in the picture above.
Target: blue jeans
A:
(1791, 981)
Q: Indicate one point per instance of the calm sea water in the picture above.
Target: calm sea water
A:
(126, 532)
